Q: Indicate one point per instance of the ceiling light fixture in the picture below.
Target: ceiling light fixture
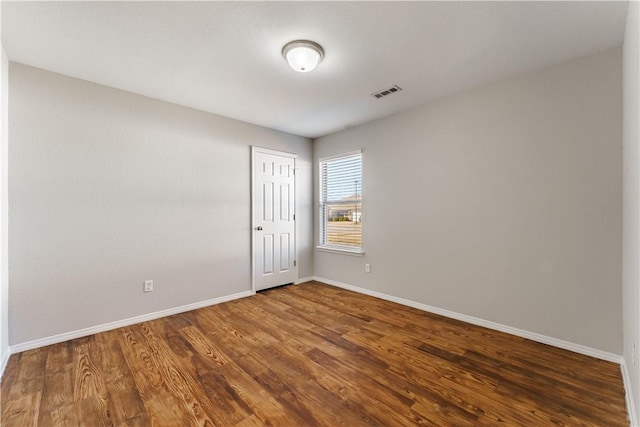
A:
(303, 55)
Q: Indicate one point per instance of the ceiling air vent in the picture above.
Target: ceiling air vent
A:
(385, 92)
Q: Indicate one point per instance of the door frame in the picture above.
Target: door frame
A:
(256, 149)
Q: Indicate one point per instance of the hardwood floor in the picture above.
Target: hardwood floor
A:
(310, 355)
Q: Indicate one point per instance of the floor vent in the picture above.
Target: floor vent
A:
(385, 92)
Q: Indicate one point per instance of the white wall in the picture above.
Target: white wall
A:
(4, 271)
(108, 189)
(503, 203)
(631, 201)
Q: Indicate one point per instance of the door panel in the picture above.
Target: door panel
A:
(273, 218)
(285, 203)
(267, 250)
(285, 254)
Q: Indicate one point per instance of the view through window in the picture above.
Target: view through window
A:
(341, 202)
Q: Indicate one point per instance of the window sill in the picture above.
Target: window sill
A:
(342, 251)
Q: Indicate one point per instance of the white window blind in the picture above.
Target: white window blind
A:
(341, 202)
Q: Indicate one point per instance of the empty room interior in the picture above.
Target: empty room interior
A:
(320, 213)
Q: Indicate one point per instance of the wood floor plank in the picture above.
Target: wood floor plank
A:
(32, 365)
(125, 402)
(57, 393)
(308, 355)
(21, 411)
(159, 402)
(59, 357)
(186, 390)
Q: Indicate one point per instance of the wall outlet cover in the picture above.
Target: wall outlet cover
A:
(148, 286)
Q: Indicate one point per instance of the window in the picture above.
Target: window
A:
(341, 203)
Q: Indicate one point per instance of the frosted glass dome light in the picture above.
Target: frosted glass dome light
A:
(303, 55)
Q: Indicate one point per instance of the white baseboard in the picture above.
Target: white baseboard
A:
(3, 362)
(577, 348)
(29, 345)
(303, 280)
(631, 408)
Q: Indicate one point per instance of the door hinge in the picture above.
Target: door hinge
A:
(295, 262)
(294, 217)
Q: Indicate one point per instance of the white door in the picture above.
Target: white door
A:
(274, 231)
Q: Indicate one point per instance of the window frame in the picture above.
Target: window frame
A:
(322, 222)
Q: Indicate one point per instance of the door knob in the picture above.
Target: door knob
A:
(259, 228)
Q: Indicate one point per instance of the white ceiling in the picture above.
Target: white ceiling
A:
(224, 57)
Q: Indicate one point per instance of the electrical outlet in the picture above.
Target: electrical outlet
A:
(367, 268)
(148, 286)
